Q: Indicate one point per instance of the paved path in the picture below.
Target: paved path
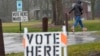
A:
(13, 41)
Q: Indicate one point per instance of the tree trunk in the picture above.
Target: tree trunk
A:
(54, 11)
(92, 9)
(58, 17)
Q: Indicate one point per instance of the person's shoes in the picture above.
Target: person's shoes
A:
(84, 29)
(72, 29)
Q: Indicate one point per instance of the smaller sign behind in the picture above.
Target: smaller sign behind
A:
(19, 5)
(21, 16)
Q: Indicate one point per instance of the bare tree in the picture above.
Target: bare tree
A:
(43, 6)
(97, 8)
(58, 15)
(92, 8)
(54, 11)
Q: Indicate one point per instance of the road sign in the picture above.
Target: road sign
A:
(19, 5)
(2, 49)
(19, 16)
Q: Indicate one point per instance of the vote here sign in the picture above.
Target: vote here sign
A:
(44, 43)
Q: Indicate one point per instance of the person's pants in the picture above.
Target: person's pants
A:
(78, 20)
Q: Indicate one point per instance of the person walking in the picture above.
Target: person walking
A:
(77, 8)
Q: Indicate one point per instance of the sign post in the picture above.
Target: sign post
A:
(65, 48)
(2, 50)
(19, 16)
(45, 24)
(19, 8)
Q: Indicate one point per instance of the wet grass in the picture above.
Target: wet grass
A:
(83, 49)
(15, 27)
(36, 26)
(15, 54)
(75, 50)
(91, 25)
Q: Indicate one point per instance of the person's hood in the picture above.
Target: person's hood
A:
(79, 2)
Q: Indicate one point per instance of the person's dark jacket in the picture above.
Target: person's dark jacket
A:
(77, 10)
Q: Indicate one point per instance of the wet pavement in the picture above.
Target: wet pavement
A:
(13, 41)
(81, 37)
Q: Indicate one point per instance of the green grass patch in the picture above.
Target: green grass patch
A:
(83, 49)
(36, 26)
(15, 54)
(75, 50)
(91, 25)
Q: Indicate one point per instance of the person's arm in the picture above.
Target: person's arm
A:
(71, 10)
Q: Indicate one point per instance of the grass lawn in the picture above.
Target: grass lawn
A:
(75, 50)
(36, 26)
(84, 49)
(91, 25)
